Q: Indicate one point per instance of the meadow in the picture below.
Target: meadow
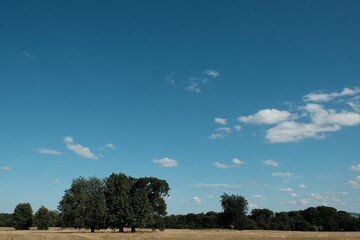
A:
(172, 234)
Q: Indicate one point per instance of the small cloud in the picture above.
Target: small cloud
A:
(302, 186)
(217, 186)
(221, 165)
(170, 78)
(220, 120)
(267, 116)
(259, 196)
(215, 136)
(355, 168)
(353, 183)
(79, 149)
(293, 194)
(286, 190)
(212, 73)
(56, 181)
(271, 163)
(210, 196)
(282, 174)
(225, 130)
(196, 200)
(110, 145)
(28, 55)
(193, 87)
(326, 97)
(238, 128)
(5, 169)
(48, 151)
(237, 161)
(166, 162)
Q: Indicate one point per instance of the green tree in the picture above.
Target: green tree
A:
(42, 218)
(141, 209)
(234, 211)
(263, 218)
(23, 216)
(84, 205)
(118, 201)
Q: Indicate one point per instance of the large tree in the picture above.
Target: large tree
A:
(118, 202)
(83, 205)
(23, 216)
(234, 211)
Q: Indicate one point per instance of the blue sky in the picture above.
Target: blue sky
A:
(256, 98)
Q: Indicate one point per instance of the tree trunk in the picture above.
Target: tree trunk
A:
(121, 229)
(92, 229)
(132, 229)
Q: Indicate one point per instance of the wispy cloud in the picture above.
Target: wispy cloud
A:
(235, 162)
(110, 145)
(271, 163)
(56, 181)
(259, 196)
(355, 168)
(193, 87)
(302, 186)
(282, 174)
(221, 121)
(212, 73)
(171, 78)
(217, 186)
(48, 151)
(286, 190)
(5, 169)
(28, 55)
(325, 97)
(215, 136)
(353, 183)
(79, 149)
(166, 162)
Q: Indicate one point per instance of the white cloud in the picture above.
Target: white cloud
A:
(217, 186)
(259, 196)
(237, 161)
(225, 130)
(355, 168)
(79, 149)
(325, 97)
(282, 174)
(48, 151)
(238, 128)
(353, 183)
(170, 78)
(56, 181)
(215, 136)
(166, 162)
(267, 116)
(212, 73)
(5, 169)
(271, 163)
(286, 190)
(221, 165)
(220, 120)
(196, 200)
(110, 145)
(302, 186)
(193, 87)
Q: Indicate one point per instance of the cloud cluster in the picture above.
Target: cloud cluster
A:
(79, 149)
(223, 131)
(353, 183)
(312, 121)
(166, 162)
(195, 83)
(317, 199)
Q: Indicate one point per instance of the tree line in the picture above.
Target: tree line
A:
(235, 216)
(120, 201)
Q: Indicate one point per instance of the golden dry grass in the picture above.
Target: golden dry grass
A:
(172, 234)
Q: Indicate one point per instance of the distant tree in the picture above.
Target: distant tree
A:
(55, 219)
(6, 220)
(234, 211)
(84, 205)
(282, 221)
(23, 216)
(118, 201)
(42, 218)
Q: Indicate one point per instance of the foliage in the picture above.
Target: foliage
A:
(234, 211)
(6, 220)
(23, 218)
(42, 218)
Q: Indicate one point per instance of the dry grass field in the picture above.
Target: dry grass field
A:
(171, 234)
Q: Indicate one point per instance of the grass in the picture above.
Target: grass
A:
(172, 234)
